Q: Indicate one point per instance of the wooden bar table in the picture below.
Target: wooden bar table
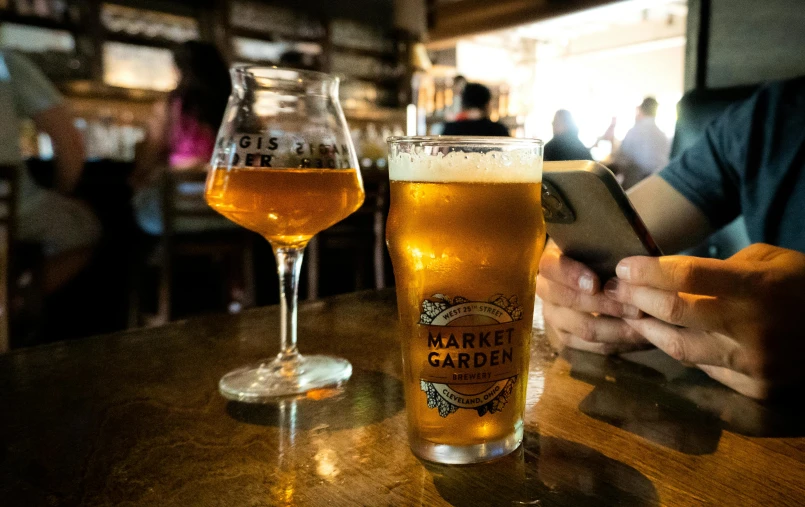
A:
(135, 419)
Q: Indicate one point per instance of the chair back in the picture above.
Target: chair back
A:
(361, 233)
(183, 199)
(8, 206)
(192, 227)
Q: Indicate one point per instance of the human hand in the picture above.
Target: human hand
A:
(741, 320)
(577, 313)
(609, 133)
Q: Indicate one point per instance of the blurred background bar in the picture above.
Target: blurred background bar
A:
(403, 66)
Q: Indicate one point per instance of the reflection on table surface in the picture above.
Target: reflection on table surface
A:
(135, 419)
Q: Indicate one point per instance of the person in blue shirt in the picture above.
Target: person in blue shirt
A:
(740, 320)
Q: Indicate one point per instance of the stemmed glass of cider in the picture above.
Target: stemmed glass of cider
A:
(285, 167)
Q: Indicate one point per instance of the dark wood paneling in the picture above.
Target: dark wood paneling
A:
(377, 12)
(457, 19)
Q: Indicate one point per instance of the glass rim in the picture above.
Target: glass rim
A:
(466, 141)
(306, 74)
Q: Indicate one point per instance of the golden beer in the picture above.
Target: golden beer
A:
(286, 206)
(465, 252)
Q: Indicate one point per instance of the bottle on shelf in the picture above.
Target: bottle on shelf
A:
(385, 133)
(130, 135)
(58, 9)
(24, 7)
(41, 8)
(372, 147)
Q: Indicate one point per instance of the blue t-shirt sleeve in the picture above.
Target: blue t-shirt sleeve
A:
(709, 173)
(33, 92)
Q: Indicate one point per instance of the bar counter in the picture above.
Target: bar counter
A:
(135, 419)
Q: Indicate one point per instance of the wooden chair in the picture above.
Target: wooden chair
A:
(21, 295)
(8, 205)
(192, 228)
(363, 234)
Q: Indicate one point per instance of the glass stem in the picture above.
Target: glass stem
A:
(289, 265)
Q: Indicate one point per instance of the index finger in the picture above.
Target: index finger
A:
(561, 269)
(683, 273)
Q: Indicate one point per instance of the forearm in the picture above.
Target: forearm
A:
(673, 221)
(68, 145)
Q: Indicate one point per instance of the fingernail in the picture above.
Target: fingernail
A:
(611, 287)
(622, 270)
(586, 283)
(631, 312)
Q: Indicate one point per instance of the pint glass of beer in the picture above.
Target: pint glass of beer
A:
(465, 232)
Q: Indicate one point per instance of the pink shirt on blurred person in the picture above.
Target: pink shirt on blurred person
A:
(191, 142)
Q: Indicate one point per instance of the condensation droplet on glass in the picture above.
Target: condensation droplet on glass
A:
(507, 160)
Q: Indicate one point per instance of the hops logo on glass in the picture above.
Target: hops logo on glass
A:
(474, 350)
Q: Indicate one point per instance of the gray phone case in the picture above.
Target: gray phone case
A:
(589, 217)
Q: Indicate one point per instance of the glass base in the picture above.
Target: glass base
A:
(466, 454)
(266, 381)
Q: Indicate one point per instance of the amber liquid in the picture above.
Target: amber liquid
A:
(473, 240)
(286, 206)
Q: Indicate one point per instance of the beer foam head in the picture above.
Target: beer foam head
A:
(515, 166)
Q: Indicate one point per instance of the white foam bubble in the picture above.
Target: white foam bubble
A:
(492, 167)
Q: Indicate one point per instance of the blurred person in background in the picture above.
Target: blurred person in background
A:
(292, 59)
(297, 60)
(565, 144)
(475, 108)
(645, 148)
(454, 112)
(739, 320)
(64, 226)
(182, 130)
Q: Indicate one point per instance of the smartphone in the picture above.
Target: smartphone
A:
(590, 218)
